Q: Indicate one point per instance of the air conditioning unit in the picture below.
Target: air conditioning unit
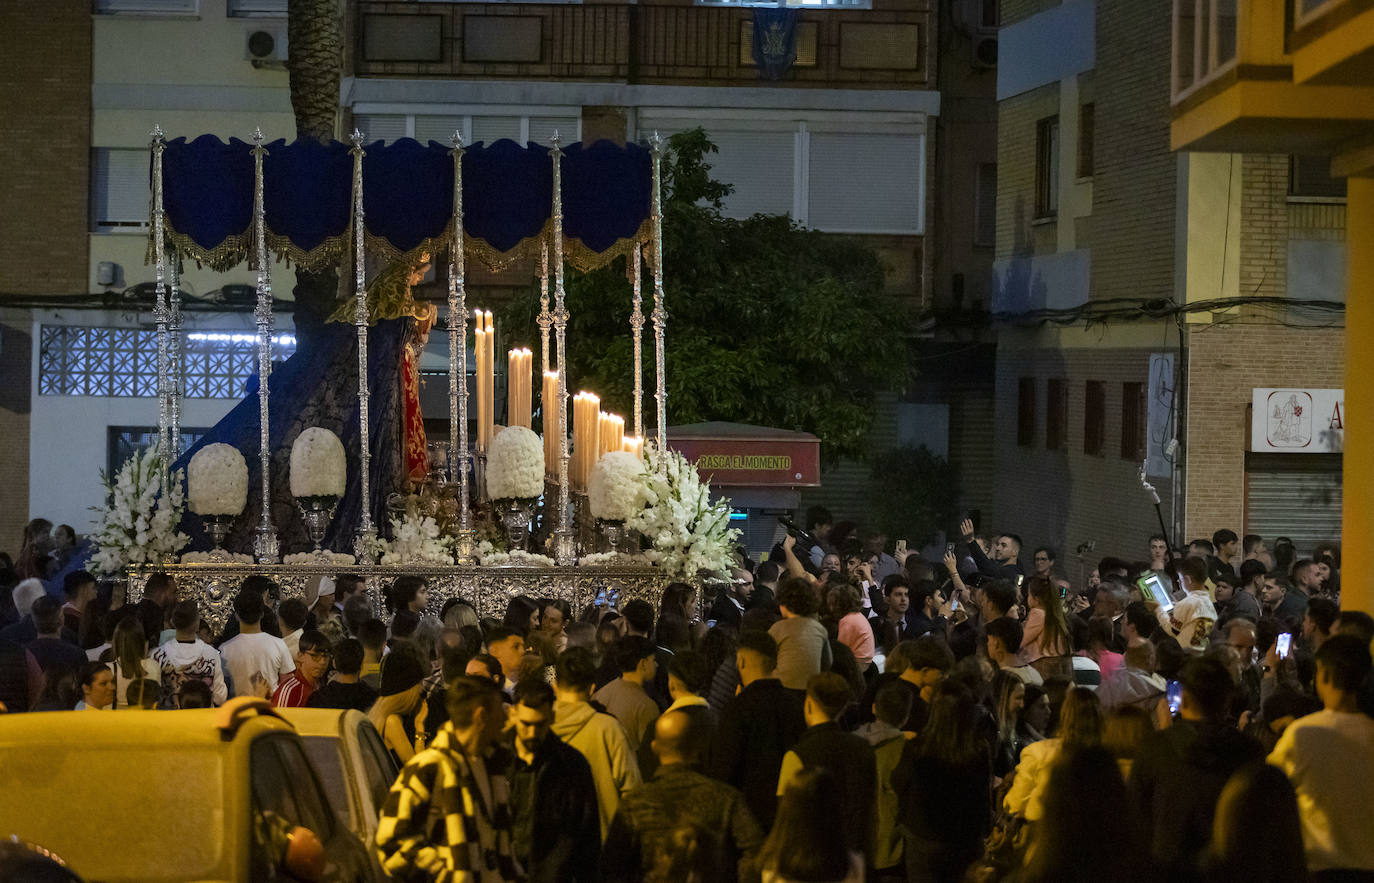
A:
(265, 47)
(985, 52)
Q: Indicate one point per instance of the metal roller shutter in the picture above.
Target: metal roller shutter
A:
(1304, 506)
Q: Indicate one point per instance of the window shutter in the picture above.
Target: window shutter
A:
(437, 128)
(865, 183)
(489, 130)
(568, 128)
(380, 126)
(120, 190)
(759, 165)
(257, 7)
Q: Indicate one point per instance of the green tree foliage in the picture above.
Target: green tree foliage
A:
(912, 494)
(768, 323)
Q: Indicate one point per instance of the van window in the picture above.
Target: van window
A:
(284, 784)
(326, 754)
(381, 770)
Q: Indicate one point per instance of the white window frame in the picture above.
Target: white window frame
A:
(265, 8)
(171, 8)
(1205, 66)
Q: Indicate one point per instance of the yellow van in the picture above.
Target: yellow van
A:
(200, 795)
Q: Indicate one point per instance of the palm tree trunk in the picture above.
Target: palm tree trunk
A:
(314, 36)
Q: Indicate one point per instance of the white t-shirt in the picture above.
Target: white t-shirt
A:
(257, 653)
(1190, 620)
(1329, 758)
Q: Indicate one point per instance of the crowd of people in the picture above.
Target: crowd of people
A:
(841, 711)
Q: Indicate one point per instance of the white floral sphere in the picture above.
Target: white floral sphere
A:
(217, 481)
(319, 467)
(515, 465)
(615, 489)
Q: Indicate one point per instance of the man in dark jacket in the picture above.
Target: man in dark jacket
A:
(557, 828)
(849, 758)
(1181, 770)
(680, 825)
(757, 727)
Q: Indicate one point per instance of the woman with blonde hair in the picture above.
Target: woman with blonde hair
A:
(1080, 726)
(400, 700)
(1047, 643)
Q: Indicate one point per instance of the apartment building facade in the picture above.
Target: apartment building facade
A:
(1148, 300)
(842, 142)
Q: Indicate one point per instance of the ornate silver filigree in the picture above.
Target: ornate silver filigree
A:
(366, 531)
(637, 335)
(458, 356)
(565, 543)
(660, 314)
(488, 589)
(161, 314)
(265, 547)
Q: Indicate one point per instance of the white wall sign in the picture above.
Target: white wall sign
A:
(1298, 421)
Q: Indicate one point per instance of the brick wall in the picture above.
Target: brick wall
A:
(45, 89)
(1264, 227)
(1016, 119)
(1135, 176)
(1065, 497)
(1226, 363)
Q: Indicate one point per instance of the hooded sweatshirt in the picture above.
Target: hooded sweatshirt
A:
(602, 741)
(182, 661)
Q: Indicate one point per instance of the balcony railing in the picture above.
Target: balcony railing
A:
(1204, 48)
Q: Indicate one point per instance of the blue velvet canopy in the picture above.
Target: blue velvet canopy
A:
(407, 200)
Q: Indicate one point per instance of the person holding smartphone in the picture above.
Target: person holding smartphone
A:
(1191, 619)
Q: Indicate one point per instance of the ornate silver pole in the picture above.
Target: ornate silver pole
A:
(565, 542)
(178, 351)
(366, 532)
(265, 548)
(660, 315)
(458, 362)
(545, 318)
(160, 311)
(637, 334)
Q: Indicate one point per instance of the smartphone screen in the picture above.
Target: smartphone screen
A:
(901, 545)
(1174, 692)
(1285, 644)
(1151, 586)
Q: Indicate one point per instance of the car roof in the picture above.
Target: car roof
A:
(322, 721)
(207, 727)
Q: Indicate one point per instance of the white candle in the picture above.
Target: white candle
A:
(633, 444)
(553, 429)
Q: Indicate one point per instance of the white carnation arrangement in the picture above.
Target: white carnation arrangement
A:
(217, 481)
(597, 559)
(490, 556)
(687, 531)
(324, 556)
(415, 540)
(140, 524)
(515, 465)
(319, 467)
(218, 556)
(615, 489)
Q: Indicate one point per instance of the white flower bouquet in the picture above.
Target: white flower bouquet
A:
(596, 559)
(218, 556)
(319, 467)
(217, 481)
(139, 526)
(415, 540)
(489, 556)
(615, 490)
(688, 532)
(321, 557)
(515, 465)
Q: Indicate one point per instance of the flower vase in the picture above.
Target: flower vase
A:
(517, 524)
(317, 512)
(217, 526)
(613, 533)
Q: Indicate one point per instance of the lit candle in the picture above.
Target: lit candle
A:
(633, 444)
(488, 379)
(479, 363)
(587, 411)
(611, 433)
(553, 429)
(518, 365)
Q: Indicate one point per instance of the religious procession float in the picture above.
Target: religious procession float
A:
(344, 480)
